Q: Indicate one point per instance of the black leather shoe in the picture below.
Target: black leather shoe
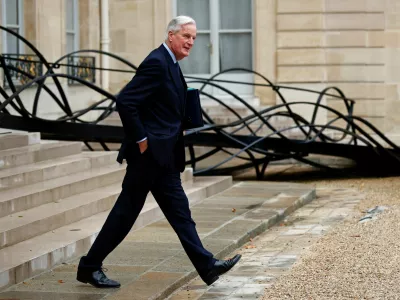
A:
(96, 278)
(220, 267)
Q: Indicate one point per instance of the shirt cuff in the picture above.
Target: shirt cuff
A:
(142, 140)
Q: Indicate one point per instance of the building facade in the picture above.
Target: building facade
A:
(313, 44)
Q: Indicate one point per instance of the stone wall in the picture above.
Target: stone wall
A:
(392, 66)
(343, 43)
(136, 27)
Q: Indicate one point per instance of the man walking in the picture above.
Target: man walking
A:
(151, 107)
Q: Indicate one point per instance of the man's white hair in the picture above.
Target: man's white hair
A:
(176, 24)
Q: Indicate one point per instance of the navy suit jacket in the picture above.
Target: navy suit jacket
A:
(152, 105)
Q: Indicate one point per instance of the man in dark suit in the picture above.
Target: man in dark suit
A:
(151, 107)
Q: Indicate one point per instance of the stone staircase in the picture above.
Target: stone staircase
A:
(55, 198)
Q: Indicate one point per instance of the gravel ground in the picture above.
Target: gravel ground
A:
(354, 260)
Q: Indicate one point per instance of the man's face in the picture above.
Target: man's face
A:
(182, 41)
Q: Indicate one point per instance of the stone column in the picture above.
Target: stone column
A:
(89, 30)
(264, 37)
(392, 66)
(29, 24)
(50, 28)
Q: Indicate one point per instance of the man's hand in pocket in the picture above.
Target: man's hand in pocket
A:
(143, 146)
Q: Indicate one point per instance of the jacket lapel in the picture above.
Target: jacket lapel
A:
(177, 78)
(184, 91)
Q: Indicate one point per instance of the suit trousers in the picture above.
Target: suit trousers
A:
(144, 175)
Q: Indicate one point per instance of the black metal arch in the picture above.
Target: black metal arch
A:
(253, 140)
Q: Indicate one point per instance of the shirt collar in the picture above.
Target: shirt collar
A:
(170, 53)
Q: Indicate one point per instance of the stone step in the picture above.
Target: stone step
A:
(50, 169)
(187, 175)
(38, 220)
(38, 152)
(10, 140)
(15, 200)
(43, 252)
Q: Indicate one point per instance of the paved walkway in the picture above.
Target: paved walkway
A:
(151, 264)
(274, 252)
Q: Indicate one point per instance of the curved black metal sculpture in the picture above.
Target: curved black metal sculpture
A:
(253, 140)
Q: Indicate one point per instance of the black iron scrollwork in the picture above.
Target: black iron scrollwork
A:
(255, 139)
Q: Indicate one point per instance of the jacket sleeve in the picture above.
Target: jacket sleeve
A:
(147, 80)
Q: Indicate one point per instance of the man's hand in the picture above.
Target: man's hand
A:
(143, 146)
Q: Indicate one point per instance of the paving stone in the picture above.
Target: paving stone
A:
(148, 285)
(48, 296)
(240, 202)
(36, 285)
(243, 192)
(218, 245)
(246, 270)
(295, 231)
(235, 229)
(215, 214)
(113, 271)
(212, 296)
(211, 225)
(281, 202)
(226, 283)
(280, 262)
(187, 295)
(242, 297)
(261, 214)
(234, 277)
(177, 263)
(251, 290)
(125, 255)
(63, 279)
(274, 252)
(223, 290)
(152, 237)
(261, 280)
(275, 271)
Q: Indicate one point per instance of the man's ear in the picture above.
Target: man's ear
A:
(170, 35)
